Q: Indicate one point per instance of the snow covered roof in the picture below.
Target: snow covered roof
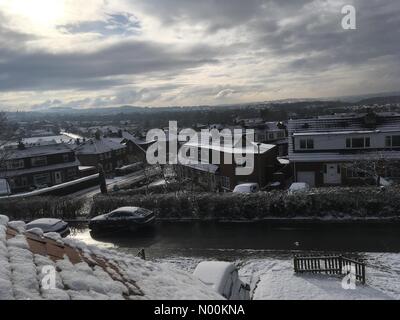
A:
(251, 148)
(99, 146)
(84, 272)
(62, 138)
(385, 122)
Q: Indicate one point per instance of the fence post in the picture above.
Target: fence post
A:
(363, 272)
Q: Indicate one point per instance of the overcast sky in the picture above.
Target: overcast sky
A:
(97, 53)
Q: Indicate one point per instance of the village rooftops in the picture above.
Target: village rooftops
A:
(35, 151)
(84, 272)
(251, 148)
(99, 146)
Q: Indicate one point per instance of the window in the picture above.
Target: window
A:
(66, 157)
(260, 137)
(15, 164)
(350, 173)
(225, 182)
(306, 144)
(71, 173)
(281, 134)
(39, 161)
(396, 141)
(41, 179)
(271, 136)
(392, 141)
(388, 141)
(358, 143)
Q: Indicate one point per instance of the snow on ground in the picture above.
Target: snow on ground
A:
(277, 281)
(272, 277)
(124, 276)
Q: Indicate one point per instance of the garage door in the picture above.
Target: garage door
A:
(307, 177)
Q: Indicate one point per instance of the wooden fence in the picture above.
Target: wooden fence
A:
(329, 265)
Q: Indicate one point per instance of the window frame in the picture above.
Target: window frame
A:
(366, 142)
(306, 144)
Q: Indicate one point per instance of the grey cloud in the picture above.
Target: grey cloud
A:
(102, 68)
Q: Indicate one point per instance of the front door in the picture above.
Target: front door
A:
(332, 174)
(57, 177)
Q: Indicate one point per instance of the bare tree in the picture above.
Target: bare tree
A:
(374, 167)
(6, 135)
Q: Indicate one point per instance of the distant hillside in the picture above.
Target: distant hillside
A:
(380, 100)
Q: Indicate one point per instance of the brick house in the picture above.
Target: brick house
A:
(223, 176)
(325, 151)
(44, 165)
(109, 152)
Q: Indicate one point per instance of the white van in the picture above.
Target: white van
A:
(4, 188)
(223, 277)
(299, 187)
(247, 188)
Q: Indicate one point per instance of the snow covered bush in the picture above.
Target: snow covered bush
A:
(38, 207)
(320, 203)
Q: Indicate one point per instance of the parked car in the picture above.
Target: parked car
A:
(299, 187)
(223, 277)
(125, 218)
(247, 188)
(50, 225)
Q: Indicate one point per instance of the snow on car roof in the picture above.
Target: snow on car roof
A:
(299, 186)
(44, 221)
(213, 273)
(128, 209)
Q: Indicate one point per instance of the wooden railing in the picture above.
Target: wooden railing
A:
(329, 265)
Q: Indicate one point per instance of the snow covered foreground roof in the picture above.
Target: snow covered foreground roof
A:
(84, 272)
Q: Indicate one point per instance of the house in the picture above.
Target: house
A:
(223, 176)
(104, 151)
(136, 148)
(25, 167)
(333, 150)
(269, 132)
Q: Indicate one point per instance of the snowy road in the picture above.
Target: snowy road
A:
(111, 183)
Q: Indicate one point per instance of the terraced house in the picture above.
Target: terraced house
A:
(110, 153)
(345, 148)
(27, 168)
